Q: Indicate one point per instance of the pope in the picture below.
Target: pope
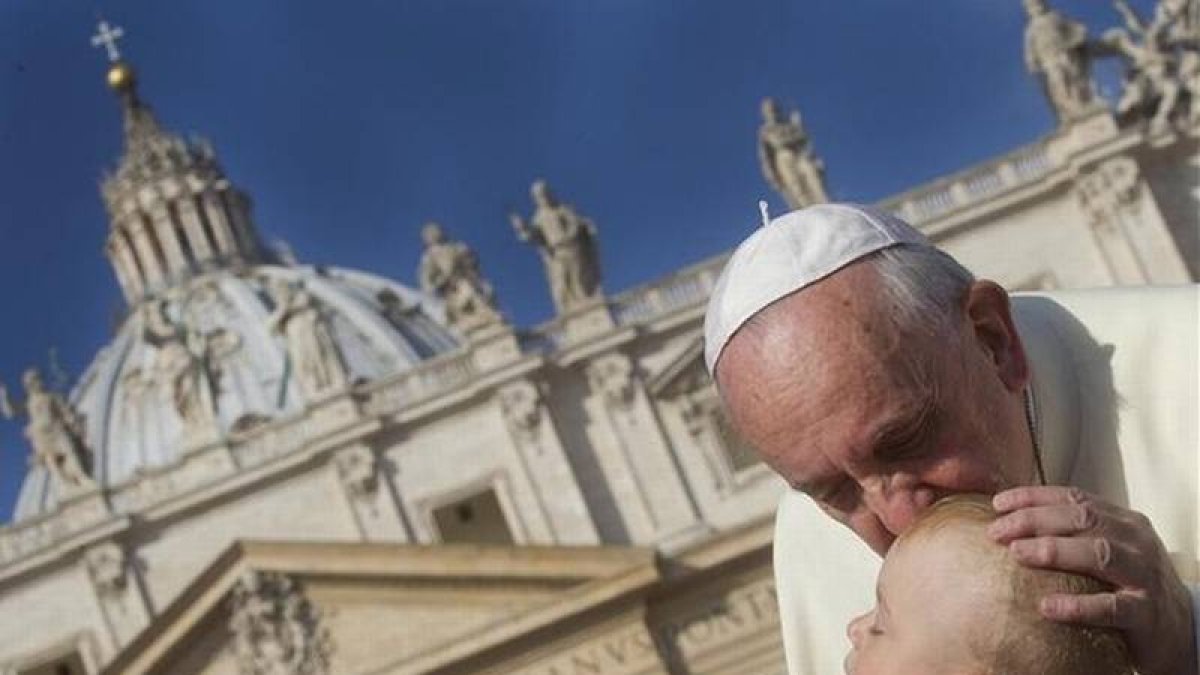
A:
(876, 375)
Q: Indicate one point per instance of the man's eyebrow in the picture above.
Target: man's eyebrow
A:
(904, 426)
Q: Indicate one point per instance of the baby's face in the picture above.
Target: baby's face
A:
(933, 601)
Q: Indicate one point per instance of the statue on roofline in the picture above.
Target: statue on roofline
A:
(567, 243)
(55, 431)
(1058, 51)
(787, 159)
(1162, 76)
(449, 270)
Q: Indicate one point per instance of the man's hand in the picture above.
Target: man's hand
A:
(1070, 530)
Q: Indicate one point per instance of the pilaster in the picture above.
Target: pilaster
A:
(543, 458)
(118, 590)
(637, 458)
(370, 495)
(1127, 226)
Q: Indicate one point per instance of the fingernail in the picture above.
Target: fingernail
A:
(996, 530)
(1000, 501)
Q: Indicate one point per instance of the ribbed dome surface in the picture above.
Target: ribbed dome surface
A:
(380, 328)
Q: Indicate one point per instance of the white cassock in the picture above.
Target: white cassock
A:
(1115, 375)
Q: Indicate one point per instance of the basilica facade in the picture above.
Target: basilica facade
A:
(282, 468)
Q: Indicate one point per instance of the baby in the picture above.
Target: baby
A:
(949, 601)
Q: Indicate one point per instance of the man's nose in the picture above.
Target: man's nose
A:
(896, 504)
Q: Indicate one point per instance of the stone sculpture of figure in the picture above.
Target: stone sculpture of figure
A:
(313, 356)
(567, 242)
(1057, 49)
(1185, 37)
(1163, 61)
(188, 360)
(449, 270)
(276, 629)
(787, 159)
(55, 431)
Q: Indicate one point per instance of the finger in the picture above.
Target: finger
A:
(1107, 610)
(1037, 495)
(1045, 521)
(1096, 557)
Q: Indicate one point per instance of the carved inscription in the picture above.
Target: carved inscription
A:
(745, 612)
(719, 623)
(630, 650)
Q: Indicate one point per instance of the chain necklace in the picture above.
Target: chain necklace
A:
(1031, 421)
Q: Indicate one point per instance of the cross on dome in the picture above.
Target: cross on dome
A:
(106, 36)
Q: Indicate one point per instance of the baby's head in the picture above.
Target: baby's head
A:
(949, 601)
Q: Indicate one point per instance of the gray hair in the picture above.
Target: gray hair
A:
(924, 286)
(923, 291)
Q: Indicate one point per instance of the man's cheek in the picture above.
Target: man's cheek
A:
(963, 470)
(871, 531)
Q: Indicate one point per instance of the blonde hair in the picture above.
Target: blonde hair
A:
(1028, 644)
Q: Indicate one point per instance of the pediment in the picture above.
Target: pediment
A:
(373, 607)
(684, 373)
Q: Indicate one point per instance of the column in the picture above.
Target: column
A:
(127, 275)
(218, 220)
(238, 209)
(193, 206)
(147, 252)
(178, 262)
(193, 225)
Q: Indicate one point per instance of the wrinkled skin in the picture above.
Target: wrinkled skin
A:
(876, 424)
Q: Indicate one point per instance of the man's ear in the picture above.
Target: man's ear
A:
(989, 313)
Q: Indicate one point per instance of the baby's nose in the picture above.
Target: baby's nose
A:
(858, 627)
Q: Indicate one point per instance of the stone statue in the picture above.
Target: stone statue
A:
(189, 360)
(449, 270)
(313, 356)
(1162, 62)
(1057, 49)
(787, 159)
(276, 630)
(567, 242)
(1185, 37)
(55, 431)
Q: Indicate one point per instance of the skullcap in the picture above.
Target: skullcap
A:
(791, 252)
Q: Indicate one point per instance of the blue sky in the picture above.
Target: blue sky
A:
(350, 124)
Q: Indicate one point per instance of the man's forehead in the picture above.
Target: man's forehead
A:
(792, 253)
(832, 312)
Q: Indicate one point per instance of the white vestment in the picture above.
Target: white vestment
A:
(1115, 375)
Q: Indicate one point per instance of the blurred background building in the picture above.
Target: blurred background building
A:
(277, 467)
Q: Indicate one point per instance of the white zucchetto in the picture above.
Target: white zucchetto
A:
(791, 252)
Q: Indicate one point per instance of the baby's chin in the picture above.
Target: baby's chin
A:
(849, 661)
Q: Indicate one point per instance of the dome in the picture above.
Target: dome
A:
(130, 419)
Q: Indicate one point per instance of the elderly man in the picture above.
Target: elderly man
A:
(876, 375)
